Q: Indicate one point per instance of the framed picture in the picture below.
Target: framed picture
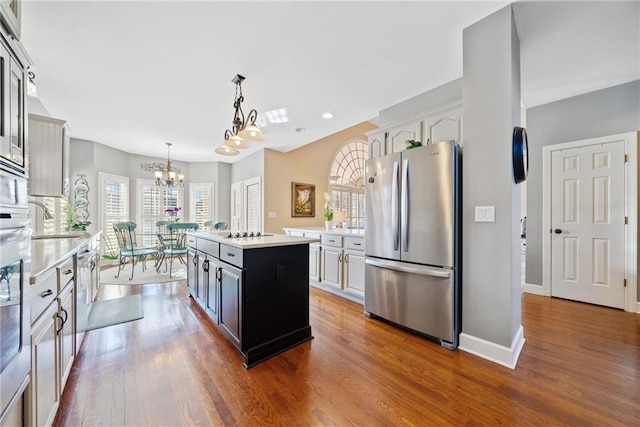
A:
(303, 199)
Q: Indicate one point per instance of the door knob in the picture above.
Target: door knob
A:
(557, 231)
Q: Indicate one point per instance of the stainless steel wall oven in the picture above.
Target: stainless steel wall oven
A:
(15, 263)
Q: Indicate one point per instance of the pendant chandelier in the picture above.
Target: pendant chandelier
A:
(166, 175)
(243, 128)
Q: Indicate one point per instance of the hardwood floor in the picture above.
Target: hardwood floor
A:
(580, 366)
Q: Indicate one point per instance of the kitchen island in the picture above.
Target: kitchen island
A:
(255, 289)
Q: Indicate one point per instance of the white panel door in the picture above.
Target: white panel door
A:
(587, 224)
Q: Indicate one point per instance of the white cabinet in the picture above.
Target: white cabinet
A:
(314, 261)
(439, 125)
(44, 397)
(443, 126)
(397, 136)
(13, 151)
(52, 341)
(48, 157)
(354, 272)
(377, 143)
(332, 266)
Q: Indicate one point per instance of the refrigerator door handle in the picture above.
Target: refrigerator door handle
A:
(394, 205)
(404, 209)
(423, 270)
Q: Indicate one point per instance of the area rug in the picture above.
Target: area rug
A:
(142, 277)
(110, 312)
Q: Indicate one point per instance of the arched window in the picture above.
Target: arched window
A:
(346, 181)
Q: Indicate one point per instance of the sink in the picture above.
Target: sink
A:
(56, 236)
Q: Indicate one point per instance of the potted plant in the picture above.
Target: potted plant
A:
(328, 212)
(412, 143)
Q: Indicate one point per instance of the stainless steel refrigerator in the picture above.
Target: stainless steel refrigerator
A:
(412, 240)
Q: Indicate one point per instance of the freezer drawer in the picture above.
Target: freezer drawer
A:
(414, 296)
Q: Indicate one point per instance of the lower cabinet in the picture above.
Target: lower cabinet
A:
(314, 261)
(44, 396)
(192, 271)
(231, 303)
(211, 277)
(52, 355)
(332, 266)
(354, 272)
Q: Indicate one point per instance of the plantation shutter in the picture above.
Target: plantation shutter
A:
(201, 207)
(114, 203)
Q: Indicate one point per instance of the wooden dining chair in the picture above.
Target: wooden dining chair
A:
(175, 244)
(129, 249)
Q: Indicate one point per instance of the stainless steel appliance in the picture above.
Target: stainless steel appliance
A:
(15, 304)
(412, 240)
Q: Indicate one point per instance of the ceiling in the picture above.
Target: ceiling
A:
(134, 75)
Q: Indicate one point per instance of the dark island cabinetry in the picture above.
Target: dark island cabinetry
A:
(256, 293)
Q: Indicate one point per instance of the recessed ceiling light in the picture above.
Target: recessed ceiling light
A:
(300, 129)
(327, 115)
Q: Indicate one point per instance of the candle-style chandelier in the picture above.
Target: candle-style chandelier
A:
(243, 128)
(166, 175)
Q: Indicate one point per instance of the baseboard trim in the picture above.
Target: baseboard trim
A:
(533, 289)
(505, 356)
(638, 307)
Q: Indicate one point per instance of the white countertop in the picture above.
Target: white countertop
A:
(47, 253)
(356, 232)
(267, 241)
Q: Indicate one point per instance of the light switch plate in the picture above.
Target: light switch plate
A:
(485, 214)
(273, 214)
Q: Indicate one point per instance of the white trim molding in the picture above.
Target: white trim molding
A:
(533, 289)
(505, 356)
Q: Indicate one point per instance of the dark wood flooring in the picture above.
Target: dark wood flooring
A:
(580, 366)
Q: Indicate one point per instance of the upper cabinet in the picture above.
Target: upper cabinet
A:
(440, 125)
(48, 157)
(12, 111)
(10, 14)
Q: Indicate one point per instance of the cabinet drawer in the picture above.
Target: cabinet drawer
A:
(354, 243)
(312, 235)
(331, 240)
(231, 255)
(43, 292)
(65, 273)
(209, 247)
(192, 241)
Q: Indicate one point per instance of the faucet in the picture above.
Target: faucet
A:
(47, 214)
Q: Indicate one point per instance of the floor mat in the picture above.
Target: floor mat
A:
(110, 312)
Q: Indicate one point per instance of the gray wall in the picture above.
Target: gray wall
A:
(491, 251)
(249, 167)
(90, 157)
(605, 112)
(442, 95)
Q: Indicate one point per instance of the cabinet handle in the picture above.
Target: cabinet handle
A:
(331, 240)
(230, 254)
(219, 274)
(205, 266)
(46, 293)
(340, 258)
(357, 244)
(68, 272)
(66, 315)
(346, 259)
(61, 324)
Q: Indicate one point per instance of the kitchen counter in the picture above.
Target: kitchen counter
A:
(267, 241)
(323, 230)
(46, 253)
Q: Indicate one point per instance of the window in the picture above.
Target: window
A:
(346, 181)
(153, 200)
(57, 207)
(113, 204)
(201, 206)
